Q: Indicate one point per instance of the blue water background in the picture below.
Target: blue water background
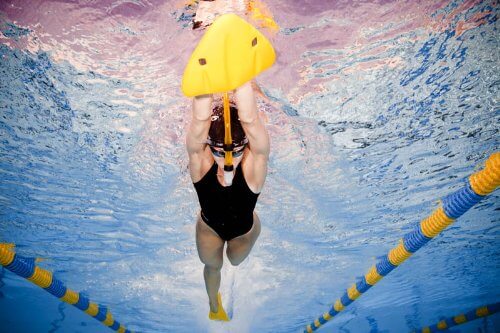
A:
(94, 181)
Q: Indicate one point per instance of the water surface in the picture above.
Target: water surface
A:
(376, 109)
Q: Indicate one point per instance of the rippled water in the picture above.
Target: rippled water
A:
(376, 110)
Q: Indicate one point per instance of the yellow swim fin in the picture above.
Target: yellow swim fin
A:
(221, 313)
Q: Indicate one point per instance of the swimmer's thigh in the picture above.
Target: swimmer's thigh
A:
(238, 248)
(210, 246)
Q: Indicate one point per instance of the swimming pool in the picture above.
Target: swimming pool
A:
(377, 109)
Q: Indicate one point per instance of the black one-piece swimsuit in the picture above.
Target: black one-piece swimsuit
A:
(227, 210)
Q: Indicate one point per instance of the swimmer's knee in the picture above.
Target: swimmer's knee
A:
(235, 261)
(213, 266)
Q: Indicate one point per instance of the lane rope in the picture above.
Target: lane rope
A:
(27, 268)
(453, 206)
(460, 319)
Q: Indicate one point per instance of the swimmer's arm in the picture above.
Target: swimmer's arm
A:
(259, 92)
(252, 124)
(200, 124)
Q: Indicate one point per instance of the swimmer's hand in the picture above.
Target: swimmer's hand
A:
(221, 313)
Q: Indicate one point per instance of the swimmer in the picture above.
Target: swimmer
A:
(227, 214)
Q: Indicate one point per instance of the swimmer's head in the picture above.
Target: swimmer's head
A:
(216, 131)
(215, 140)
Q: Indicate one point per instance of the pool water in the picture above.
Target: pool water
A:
(375, 109)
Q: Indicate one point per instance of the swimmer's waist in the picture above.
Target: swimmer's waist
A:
(226, 217)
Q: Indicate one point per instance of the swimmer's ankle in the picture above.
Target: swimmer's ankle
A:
(214, 306)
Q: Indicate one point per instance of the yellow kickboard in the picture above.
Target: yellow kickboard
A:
(230, 53)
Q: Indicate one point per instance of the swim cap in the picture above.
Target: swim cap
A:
(216, 131)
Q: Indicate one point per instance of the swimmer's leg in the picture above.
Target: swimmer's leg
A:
(210, 248)
(238, 248)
